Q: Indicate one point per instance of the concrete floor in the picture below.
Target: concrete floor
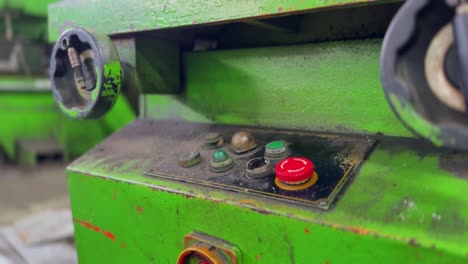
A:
(27, 190)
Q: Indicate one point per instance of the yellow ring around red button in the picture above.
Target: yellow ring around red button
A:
(298, 187)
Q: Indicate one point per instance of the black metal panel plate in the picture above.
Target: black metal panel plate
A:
(335, 157)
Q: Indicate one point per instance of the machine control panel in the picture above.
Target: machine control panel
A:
(293, 166)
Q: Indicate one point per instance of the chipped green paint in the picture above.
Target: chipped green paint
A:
(112, 80)
(109, 91)
(415, 121)
(143, 15)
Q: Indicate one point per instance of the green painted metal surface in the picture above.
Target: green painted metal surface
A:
(402, 207)
(327, 86)
(114, 17)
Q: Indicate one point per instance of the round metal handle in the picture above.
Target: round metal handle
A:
(423, 74)
(85, 73)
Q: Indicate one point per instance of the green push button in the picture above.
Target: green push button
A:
(220, 155)
(277, 150)
(276, 145)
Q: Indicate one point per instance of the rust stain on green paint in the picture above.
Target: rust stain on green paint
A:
(139, 209)
(88, 225)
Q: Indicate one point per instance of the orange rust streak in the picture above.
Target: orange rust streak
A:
(360, 231)
(247, 202)
(108, 234)
(306, 230)
(124, 245)
(139, 209)
(115, 194)
(259, 257)
(95, 228)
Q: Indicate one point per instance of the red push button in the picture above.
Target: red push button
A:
(294, 170)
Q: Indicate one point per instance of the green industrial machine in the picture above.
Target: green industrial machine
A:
(32, 129)
(269, 131)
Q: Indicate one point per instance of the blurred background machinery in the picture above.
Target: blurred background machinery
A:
(32, 129)
(265, 132)
(37, 141)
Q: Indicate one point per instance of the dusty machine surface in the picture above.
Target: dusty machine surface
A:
(266, 131)
(32, 128)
